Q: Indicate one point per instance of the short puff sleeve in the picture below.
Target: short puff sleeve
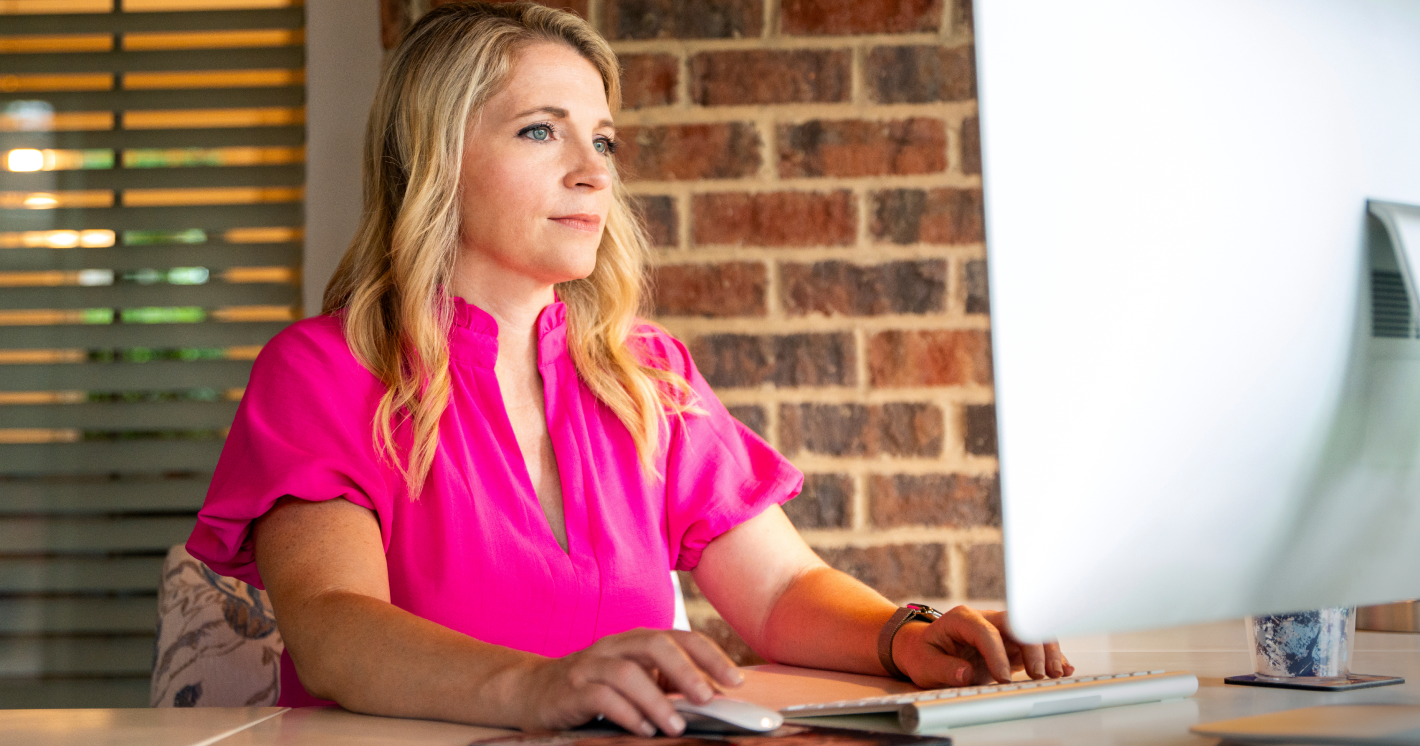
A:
(303, 428)
(719, 473)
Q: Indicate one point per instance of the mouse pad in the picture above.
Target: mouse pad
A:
(788, 735)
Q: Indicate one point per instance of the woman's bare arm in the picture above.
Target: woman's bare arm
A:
(794, 609)
(324, 566)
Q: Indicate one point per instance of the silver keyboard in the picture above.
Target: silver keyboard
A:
(937, 709)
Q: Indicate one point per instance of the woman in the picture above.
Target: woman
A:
(466, 483)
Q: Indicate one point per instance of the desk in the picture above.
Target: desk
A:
(1210, 651)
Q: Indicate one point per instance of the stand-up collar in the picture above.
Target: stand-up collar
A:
(473, 336)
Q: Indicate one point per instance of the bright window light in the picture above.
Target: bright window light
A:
(25, 159)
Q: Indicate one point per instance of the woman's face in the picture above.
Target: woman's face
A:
(535, 181)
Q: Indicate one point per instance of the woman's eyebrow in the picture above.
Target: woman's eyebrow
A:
(559, 113)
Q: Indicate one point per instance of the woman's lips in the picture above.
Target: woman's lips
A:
(581, 222)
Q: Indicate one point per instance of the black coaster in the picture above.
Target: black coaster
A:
(1354, 681)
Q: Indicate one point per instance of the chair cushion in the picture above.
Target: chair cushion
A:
(217, 644)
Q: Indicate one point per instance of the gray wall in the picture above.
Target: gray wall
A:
(342, 69)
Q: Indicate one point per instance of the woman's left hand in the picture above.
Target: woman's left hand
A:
(968, 647)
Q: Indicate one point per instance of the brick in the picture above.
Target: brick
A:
(985, 572)
(920, 74)
(659, 219)
(813, 17)
(930, 358)
(824, 502)
(648, 80)
(741, 360)
(896, 429)
(720, 632)
(774, 218)
(950, 500)
(683, 19)
(863, 148)
(688, 151)
(980, 429)
(733, 360)
(971, 145)
(834, 287)
(940, 216)
(977, 287)
(902, 572)
(963, 18)
(764, 76)
(752, 416)
(729, 289)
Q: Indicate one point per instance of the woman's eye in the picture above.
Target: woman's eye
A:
(540, 133)
(604, 146)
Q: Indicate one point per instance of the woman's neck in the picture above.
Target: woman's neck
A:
(515, 306)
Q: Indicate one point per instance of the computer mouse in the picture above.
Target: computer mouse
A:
(725, 715)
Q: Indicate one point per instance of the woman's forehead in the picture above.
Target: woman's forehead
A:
(547, 74)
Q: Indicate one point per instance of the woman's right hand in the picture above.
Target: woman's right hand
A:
(624, 678)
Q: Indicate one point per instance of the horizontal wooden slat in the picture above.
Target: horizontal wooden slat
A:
(187, 59)
(128, 295)
(137, 335)
(55, 497)
(50, 616)
(25, 655)
(155, 376)
(145, 416)
(181, 138)
(214, 255)
(127, 22)
(130, 456)
(156, 178)
(121, 100)
(90, 535)
(215, 217)
(104, 692)
(79, 574)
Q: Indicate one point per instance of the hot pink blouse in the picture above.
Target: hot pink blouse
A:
(474, 553)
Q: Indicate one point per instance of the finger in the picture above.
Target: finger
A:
(607, 701)
(661, 652)
(941, 670)
(1054, 660)
(969, 626)
(634, 686)
(710, 658)
(1033, 659)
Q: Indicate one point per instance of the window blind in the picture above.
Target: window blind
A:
(151, 175)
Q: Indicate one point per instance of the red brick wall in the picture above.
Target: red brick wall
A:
(810, 172)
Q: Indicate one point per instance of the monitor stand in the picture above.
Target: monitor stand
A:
(1402, 616)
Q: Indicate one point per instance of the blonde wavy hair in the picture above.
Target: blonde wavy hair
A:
(391, 285)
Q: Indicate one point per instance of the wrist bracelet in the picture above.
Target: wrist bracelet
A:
(908, 613)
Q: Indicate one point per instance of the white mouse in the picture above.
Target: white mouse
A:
(725, 715)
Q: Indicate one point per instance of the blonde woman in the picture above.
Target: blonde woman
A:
(465, 484)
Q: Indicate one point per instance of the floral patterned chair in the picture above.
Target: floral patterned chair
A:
(217, 644)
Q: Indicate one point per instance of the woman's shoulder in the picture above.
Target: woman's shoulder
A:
(658, 348)
(313, 347)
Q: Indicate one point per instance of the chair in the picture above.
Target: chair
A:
(218, 645)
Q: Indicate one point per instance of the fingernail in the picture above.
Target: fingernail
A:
(677, 725)
(703, 692)
(964, 674)
(647, 728)
(736, 677)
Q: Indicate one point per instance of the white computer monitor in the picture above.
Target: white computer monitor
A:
(1195, 421)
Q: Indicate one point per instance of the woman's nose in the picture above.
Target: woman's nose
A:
(591, 170)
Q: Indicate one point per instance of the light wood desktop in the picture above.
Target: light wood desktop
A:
(1210, 651)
